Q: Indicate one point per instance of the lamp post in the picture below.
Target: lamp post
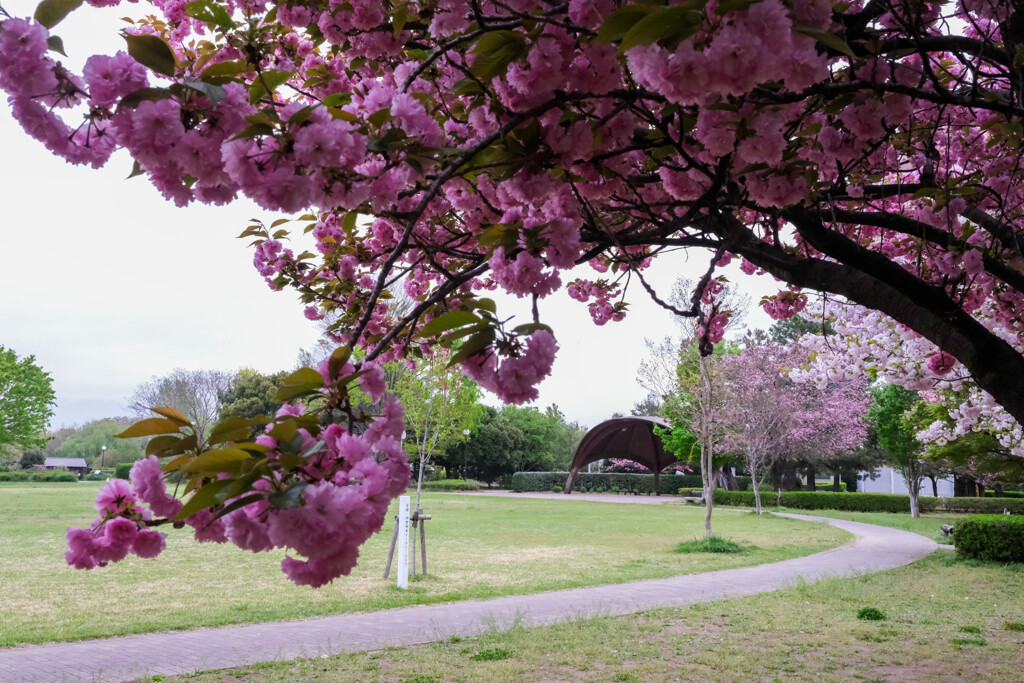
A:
(103, 455)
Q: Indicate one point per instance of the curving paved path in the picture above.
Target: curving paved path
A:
(127, 658)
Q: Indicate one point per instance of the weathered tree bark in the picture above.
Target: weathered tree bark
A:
(872, 280)
(776, 476)
(935, 485)
(810, 478)
(837, 482)
(789, 479)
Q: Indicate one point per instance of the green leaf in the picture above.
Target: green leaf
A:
(338, 359)
(56, 44)
(478, 342)
(151, 51)
(266, 83)
(172, 415)
(226, 70)
(486, 304)
(49, 13)
(150, 427)
(214, 92)
(495, 51)
(204, 497)
(301, 382)
(828, 39)
(499, 235)
(240, 503)
(165, 445)
(210, 12)
(235, 429)
(218, 460)
(133, 99)
(284, 432)
(530, 328)
(448, 339)
(448, 321)
(678, 23)
(620, 22)
(290, 497)
(177, 463)
(467, 86)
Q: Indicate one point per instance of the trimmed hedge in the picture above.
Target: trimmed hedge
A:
(600, 482)
(453, 485)
(122, 469)
(996, 538)
(52, 476)
(869, 502)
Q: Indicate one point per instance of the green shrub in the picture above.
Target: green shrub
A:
(601, 482)
(4, 468)
(715, 544)
(96, 476)
(868, 502)
(122, 469)
(870, 614)
(51, 476)
(995, 538)
(453, 485)
(492, 654)
(556, 489)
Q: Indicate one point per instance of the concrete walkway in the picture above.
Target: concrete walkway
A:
(128, 658)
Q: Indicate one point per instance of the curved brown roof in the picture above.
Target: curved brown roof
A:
(628, 438)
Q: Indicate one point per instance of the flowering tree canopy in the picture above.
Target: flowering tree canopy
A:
(869, 149)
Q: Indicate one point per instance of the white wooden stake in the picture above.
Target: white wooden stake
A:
(403, 542)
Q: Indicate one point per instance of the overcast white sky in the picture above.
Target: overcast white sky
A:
(108, 285)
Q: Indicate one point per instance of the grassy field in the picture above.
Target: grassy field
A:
(478, 547)
(945, 621)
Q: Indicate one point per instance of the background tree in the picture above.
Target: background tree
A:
(195, 393)
(889, 408)
(492, 450)
(26, 400)
(89, 442)
(31, 457)
(791, 329)
(251, 394)
(440, 403)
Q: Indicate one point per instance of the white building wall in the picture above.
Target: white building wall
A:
(891, 481)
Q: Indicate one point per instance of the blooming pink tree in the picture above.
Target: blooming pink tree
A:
(766, 415)
(869, 149)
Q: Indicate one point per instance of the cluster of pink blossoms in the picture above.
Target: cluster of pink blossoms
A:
(602, 309)
(514, 379)
(346, 485)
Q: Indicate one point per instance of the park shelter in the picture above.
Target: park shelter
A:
(76, 465)
(626, 438)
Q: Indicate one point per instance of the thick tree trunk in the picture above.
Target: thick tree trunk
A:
(776, 476)
(935, 486)
(915, 509)
(873, 280)
(789, 480)
(810, 478)
(730, 478)
(997, 490)
(837, 481)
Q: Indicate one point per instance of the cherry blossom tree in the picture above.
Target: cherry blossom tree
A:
(868, 149)
(766, 415)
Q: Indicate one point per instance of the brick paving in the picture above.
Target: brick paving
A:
(132, 657)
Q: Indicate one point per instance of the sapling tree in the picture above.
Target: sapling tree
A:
(889, 408)
(448, 147)
(440, 404)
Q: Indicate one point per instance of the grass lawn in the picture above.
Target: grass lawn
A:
(945, 620)
(478, 547)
